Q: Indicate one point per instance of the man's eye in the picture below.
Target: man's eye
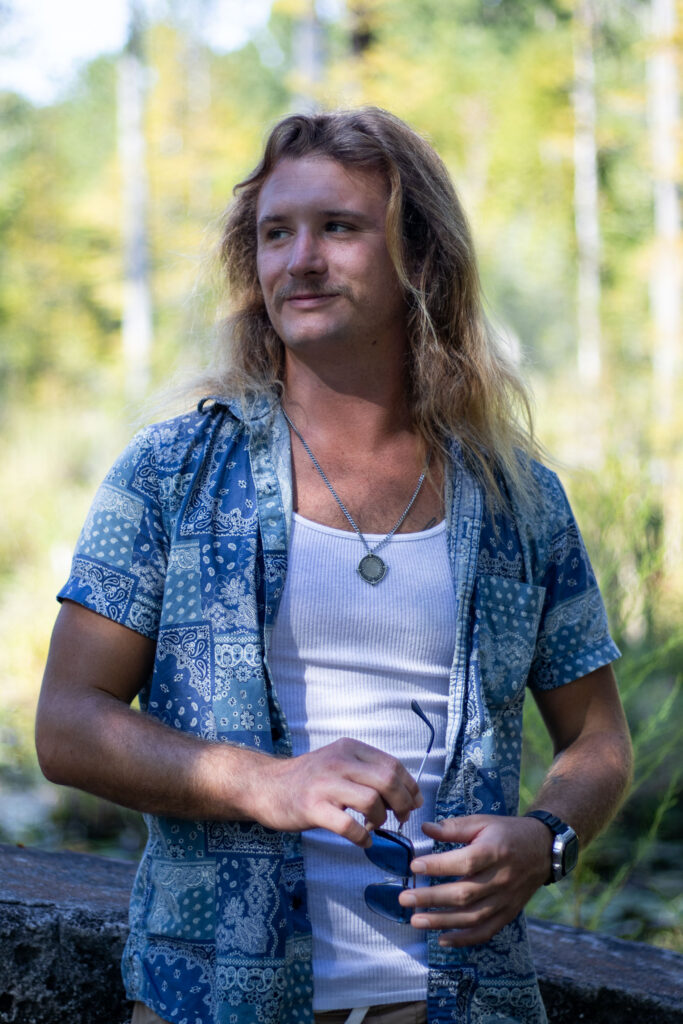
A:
(275, 234)
(336, 226)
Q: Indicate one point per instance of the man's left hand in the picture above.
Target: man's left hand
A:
(505, 860)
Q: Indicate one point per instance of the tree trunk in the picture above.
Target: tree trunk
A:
(308, 58)
(589, 354)
(664, 278)
(665, 298)
(137, 304)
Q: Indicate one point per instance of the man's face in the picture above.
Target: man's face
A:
(323, 263)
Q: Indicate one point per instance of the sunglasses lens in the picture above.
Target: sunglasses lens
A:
(382, 897)
(391, 852)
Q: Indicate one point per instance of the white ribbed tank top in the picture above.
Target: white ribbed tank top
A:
(346, 660)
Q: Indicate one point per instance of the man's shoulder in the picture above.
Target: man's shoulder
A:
(171, 445)
(189, 430)
(535, 512)
(534, 497)
(545, 523)
(549, 491)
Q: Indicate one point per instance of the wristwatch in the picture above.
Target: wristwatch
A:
(565, 852)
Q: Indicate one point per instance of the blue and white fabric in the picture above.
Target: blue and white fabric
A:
(186, 543)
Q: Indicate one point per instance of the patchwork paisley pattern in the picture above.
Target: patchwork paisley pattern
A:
(186, 542)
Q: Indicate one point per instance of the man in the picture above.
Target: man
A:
(351, 521)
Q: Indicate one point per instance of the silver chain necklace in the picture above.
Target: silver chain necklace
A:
(371, 567)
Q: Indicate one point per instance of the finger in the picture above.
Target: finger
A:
(353, 774)
(390, 774)
(347, 795)
(463, 829)
(336, 820)
(465, 863)
(475, 917)
(453, 895)
(477, 935)
(397, 795)
(390, 794)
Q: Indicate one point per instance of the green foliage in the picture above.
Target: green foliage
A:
(622, 521)
(490, 83)
(56, 312)
(627, 879)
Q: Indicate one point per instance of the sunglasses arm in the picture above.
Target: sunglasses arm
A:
(420, 713)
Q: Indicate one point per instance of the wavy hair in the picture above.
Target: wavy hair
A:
(461, 382)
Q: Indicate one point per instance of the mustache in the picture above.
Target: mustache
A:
(315, 290)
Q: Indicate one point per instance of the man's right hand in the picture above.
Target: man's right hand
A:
(316, 790)
(88, 737)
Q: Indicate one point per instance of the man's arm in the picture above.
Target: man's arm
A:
(89, 737)
(505, 859)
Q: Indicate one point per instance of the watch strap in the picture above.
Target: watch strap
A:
(566, 846)
(555, 824)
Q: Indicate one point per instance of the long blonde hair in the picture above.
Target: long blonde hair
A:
(461, 383)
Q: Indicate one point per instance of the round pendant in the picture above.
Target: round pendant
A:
(372, 569)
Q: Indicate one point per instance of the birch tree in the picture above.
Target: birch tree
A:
(665, 278)
(308, 57)
(589, 350)
(137, 303)
(665, 298)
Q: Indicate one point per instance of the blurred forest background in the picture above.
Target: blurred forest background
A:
(559, 122)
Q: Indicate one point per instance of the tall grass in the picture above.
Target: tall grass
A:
(627, 881)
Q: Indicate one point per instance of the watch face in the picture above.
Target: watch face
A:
(565, 849)
(571, 855)
(565, 853)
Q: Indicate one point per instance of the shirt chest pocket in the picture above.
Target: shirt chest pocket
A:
(507, 614)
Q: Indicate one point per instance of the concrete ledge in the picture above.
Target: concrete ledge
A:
(587, 976)
(63, 923)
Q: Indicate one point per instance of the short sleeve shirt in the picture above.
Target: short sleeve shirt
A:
(186, 543)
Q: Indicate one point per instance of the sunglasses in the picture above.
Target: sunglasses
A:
(392, 852)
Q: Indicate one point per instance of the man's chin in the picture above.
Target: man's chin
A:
(311, 336)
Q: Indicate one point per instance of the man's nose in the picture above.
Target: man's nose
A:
(306, 254)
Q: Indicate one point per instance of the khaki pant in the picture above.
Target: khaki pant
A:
(394, 1013)
(390, 1013)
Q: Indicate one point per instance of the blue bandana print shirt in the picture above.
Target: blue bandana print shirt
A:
(186, 543)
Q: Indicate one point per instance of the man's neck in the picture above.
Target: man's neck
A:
(359, 407)
(359, 428)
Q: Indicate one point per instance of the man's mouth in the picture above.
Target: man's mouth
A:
(309, 296)
(308, 300)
